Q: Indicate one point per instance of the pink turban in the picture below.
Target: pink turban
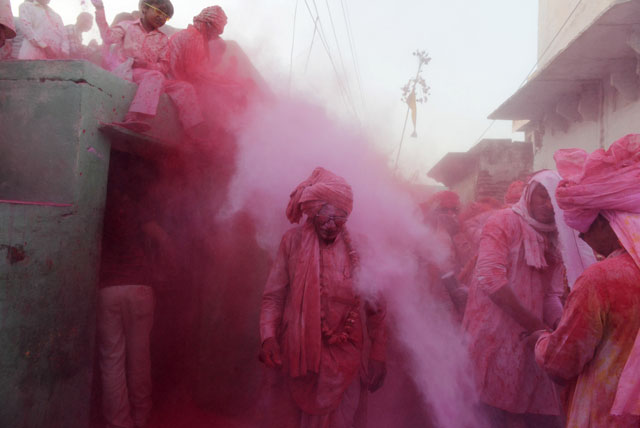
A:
(213, 15)
(6, 19)
(321, 188)
(603, 180)
(444, 199)
(514, 192)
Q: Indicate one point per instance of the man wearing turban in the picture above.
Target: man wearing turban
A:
(441, 213)
(595, 337)
(189, 48)
(517, 289)
(514, 192)
(323, 344)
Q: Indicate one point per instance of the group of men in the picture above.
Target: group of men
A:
(551, 332)
(550, 312)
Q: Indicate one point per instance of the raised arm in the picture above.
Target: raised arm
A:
(108, 34)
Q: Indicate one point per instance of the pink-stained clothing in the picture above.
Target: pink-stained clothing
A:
(192, 58)
(133, 44)
(42, 28)
(627, 400)
(125, 319)
(576, 254)
(529, 257)
(602, 180)
(594, 339)
(131, 40)
(326, 332)
(152, 83)
(281, 411)
(505, 370)
(189, 56)
(605, 182)
(6, 19)
(317, 379)
(514, 192)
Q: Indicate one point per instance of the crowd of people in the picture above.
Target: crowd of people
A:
(543, 285)
(140, 48)
(136, 46)
(550, 309)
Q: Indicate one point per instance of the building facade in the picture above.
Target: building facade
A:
(585, 91)
(486, 170)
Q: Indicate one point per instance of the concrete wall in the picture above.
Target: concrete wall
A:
(53, 176)
(619, 117)
(551, 16)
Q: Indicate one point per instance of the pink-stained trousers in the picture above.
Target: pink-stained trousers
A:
(152, 83)
(125, 318)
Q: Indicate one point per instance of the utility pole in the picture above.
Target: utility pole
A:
(409, 91)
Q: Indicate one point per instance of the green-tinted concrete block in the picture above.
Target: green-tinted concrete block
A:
(53, 176)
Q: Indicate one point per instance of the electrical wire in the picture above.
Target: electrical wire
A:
(526, 79)
(343, 91)
(335, 36)
(354, 57)
(293, 42)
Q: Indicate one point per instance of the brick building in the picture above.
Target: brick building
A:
(486, 170)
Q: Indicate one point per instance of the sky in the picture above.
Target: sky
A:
(481, 52)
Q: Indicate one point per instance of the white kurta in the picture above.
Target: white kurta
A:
(42, 28)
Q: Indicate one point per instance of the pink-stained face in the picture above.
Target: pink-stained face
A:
(540, 206)
(208, 30)
(153, 16)
(329, 222)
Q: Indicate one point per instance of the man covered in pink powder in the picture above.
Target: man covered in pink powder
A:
(189, 48)
(441, 212)
(144, 58)
(44, 33)
(593, 341)
(323, 344)
(201, 57)
(7, 28)
(517, 289)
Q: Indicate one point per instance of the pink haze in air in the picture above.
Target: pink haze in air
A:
(279, 143)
